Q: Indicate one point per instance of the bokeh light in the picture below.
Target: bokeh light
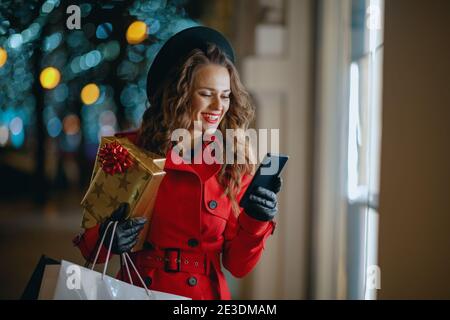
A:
(93, 58)
(75, 65)
(35, 28)
(50, 77)
(107, 118)
(3, 57)
(4, 26)
(16, 126)
(86, 9)
(106, 131)
(104, 30)
(54, 127)
(47, 7)
(154, 25)
(73, 56)
(110, 50)
(137, 32)
(83, 64)
(4, 134)
(61, 93)
(136, 53)
(90, 93)
(52, 42)
(71, 124)
(15, 41)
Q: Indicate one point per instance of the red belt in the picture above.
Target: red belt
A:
(175, 260)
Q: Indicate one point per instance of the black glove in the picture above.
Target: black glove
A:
(262, 204)
(127, 231)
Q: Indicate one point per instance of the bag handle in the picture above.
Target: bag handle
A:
(125, 256)
(125, 264)
(109, 247)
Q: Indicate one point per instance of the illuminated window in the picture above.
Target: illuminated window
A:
(364, 136)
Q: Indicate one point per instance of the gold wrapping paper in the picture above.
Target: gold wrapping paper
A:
(138, 186)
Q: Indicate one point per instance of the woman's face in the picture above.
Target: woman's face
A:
(211, 96)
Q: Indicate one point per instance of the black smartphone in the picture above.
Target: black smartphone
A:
(265, 175)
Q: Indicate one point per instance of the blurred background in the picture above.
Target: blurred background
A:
(358, 88)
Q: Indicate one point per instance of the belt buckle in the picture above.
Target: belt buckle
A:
(167, 260)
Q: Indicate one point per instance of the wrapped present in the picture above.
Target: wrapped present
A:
(123, 172)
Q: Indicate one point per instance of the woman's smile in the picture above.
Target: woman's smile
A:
(211, 118)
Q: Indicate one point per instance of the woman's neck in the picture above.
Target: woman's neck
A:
(191, 147)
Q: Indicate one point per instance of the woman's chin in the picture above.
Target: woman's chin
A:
(209, 129)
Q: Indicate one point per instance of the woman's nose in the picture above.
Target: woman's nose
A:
(217, 104)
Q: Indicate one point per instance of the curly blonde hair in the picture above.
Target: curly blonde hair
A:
(170, 109)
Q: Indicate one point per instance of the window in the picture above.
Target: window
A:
(363, 159)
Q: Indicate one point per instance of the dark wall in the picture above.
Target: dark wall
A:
(414, 234)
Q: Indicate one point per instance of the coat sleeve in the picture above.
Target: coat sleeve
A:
(245, 239)
(88, 242)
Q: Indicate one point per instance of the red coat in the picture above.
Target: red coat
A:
(192, 214)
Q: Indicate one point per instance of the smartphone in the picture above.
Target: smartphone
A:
(265, 175)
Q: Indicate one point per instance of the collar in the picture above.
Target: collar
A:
(175, 162)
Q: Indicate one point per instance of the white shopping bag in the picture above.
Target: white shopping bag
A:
(70, 281)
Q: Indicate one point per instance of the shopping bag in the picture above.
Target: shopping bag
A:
(75, 282)
(32, 289)
(69, 281)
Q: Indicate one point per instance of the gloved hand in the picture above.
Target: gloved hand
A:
(127, 231)
(262, 204)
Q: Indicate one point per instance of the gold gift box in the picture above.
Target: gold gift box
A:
(138, 186)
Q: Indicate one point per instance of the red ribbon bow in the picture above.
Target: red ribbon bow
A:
(114, 158)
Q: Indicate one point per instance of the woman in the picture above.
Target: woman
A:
(196, 219)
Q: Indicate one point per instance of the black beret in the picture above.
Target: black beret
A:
(178, 47)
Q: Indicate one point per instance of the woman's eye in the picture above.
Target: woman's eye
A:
(205, 94)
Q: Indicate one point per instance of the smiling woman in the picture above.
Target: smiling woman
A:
(196, 220)
(202, 86)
